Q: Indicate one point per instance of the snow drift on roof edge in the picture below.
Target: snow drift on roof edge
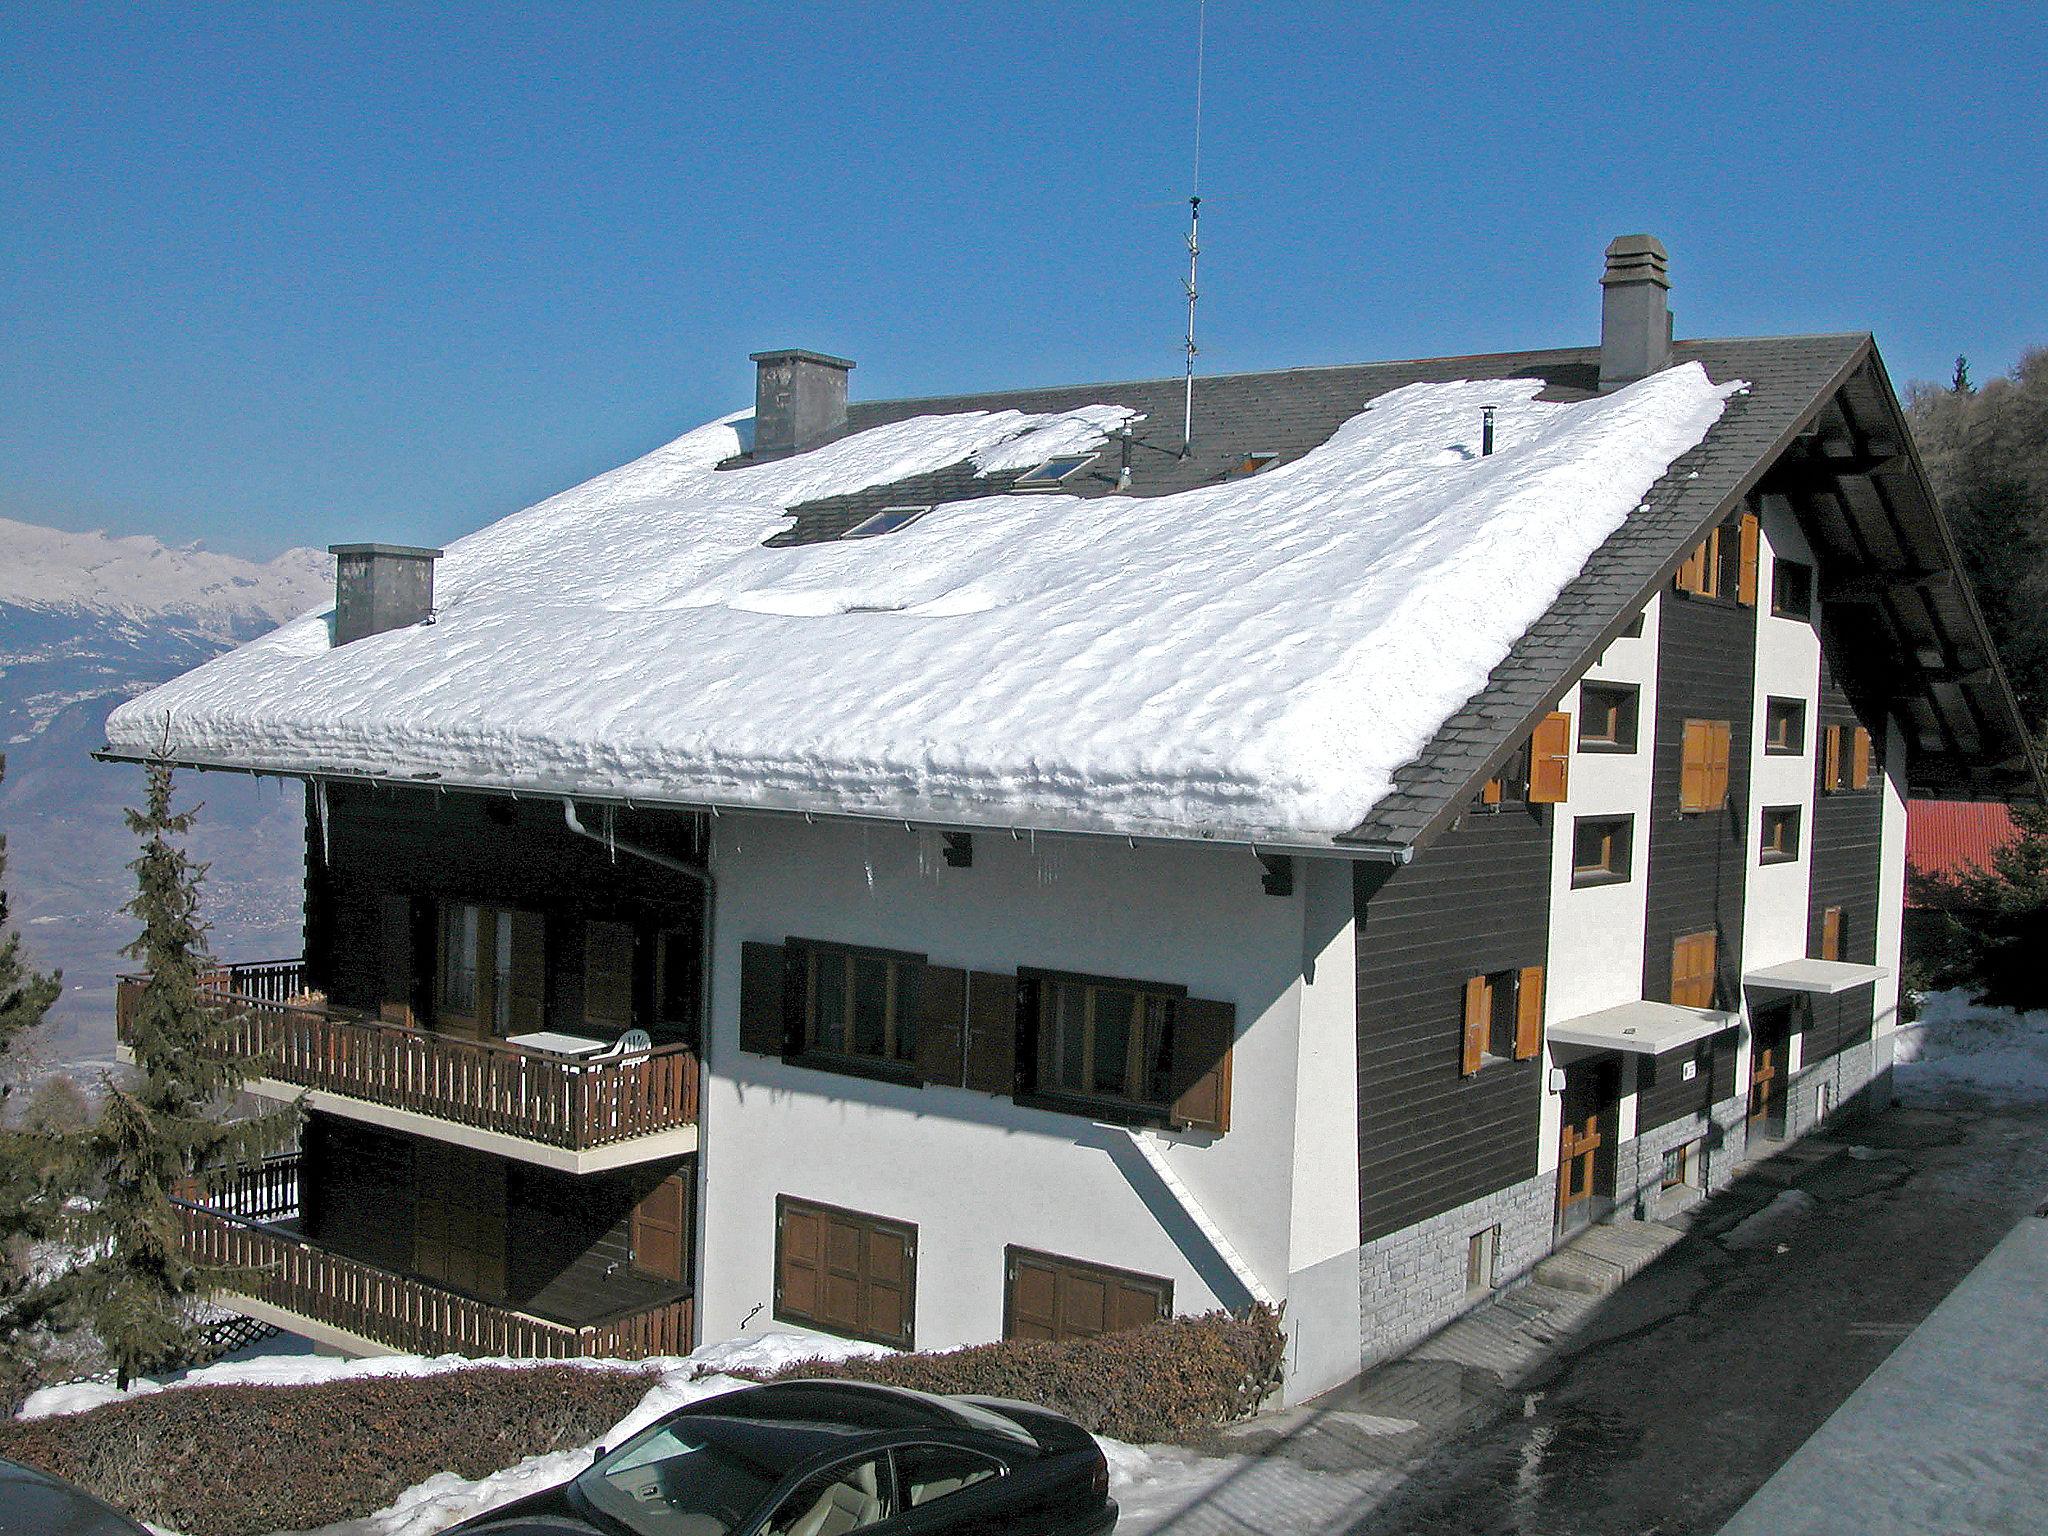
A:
(1253, 659)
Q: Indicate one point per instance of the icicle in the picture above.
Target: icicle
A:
(611, 832)
(320, 815)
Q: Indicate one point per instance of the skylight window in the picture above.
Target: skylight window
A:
(1053, 473)
(888, 520)
(1252, 463)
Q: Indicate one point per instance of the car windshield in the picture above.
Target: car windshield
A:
(672, 1480)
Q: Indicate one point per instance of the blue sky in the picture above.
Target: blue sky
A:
(279, 275)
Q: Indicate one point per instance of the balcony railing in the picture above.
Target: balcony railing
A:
(410, 1315)
(562, 1101)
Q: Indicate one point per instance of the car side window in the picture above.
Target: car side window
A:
(928, 1472)
(848, 1497)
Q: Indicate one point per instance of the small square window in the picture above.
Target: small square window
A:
(1680, 1166)
(1252, 463)
(1511, 785)
(1784, 727)
(1792, 590)
(1601, 846)
(1607, 717)
(1482, 1260)
(888, 520)
(1053, 473)
(1781, 835)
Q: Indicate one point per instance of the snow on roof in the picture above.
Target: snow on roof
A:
(1248, 661)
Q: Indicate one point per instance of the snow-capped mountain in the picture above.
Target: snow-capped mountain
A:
(85, 622)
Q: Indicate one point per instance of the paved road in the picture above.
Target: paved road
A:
(1692, 1385)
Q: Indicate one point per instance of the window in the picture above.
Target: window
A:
(888, 520)
(1833, 933)
(1053, 473)
(1252, 463)
(1105, 1042)
(1847, 758)
(489, 972)
(1510, 786)
(929, 1472)
(848, 1497)
(1539, 772)
(1694, 959)
(1048, 1297)
(1607, 717)
(1482, 1260)
(860, 1003)
(1703, 771)
(1724, 562)
(1781, 835)
(1503, 1018)
(1700, 574)
(1792, 590)
(1678, 1167)
(844, 1272)
(1601, 848)
(1784, 727)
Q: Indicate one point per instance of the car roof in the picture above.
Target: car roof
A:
(843, 1407)
(34, 1500)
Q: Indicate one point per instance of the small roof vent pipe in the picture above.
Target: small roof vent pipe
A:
(799, 400)
(379, 587)
(1635, 313)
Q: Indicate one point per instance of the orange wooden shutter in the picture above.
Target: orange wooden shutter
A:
(1703, 765)
(1831, 759)
(1745, 581)
(1478, 1023)
(1692, 574)
(1550, 759)
(1723, 746)
(1529, 1013)
(1693, 957)
(1831, 934)
(1202, 1036)
(1859, 760)
(1490, 792)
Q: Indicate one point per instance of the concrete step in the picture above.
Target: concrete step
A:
(1600, 1260)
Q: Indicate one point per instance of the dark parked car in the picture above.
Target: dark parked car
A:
(821, 1458)
(33, 1503)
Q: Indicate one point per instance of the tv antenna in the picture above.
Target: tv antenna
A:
(1187, 421)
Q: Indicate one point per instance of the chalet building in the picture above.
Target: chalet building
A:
(936, 870)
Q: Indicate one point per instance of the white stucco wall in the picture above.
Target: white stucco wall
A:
(1787, 667)
(976, 1172)
(1891, 885)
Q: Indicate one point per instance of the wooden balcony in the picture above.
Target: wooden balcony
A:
(577, 1104)
(231, 1220)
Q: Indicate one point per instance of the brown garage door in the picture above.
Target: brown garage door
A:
(845, 1272)
(1048, 1297)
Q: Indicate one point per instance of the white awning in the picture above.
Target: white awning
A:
(1649, 1029)
(1824, 976)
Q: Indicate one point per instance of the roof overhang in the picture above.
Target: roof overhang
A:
(1826, 977)
(1644, 1027)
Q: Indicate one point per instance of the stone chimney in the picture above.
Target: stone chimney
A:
(1635, 313)
(799, 401)
(379, 587)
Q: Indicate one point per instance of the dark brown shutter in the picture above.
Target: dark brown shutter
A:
(1046, 1297)
(527, 1009)
(991, 1064)
(799, 1247)
(1478, 1023)
(1202, 1035)
(764, 1026)
(660, 1230)
(400, 969)
(1859, 760)
(1550, 760)
(942, 1025)
(608, 976)
(1033, 1311)
(889, 1265)
(1745, 580)
(1529, 1013)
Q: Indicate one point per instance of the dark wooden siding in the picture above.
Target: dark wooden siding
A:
(1706, 668)
(1476, 900)
(568, 1239)
(1847, 854)
(487, 849)
(1662, 1092)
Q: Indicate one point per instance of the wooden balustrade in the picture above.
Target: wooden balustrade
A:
(563, 1101)
(410, 1314)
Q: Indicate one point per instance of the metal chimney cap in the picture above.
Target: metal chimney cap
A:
(800, 355)
(402, 551)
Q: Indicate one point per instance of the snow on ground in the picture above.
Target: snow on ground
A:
(1251, 658)
(1959, 1045)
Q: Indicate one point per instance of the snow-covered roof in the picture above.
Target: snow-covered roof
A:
(1252, 659)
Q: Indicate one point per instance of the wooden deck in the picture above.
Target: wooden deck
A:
(561, 1101)
(231, 1221)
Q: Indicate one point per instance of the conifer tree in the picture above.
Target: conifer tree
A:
(170, 1123)
(1959, 381)
(30, 1197)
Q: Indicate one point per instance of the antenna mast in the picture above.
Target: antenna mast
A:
(1187, 424)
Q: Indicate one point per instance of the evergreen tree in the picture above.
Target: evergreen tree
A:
(1959, 382)
(30, 1200)
(156, 1133)
(1999, 918)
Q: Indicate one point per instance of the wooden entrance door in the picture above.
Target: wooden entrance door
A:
(661, 1230)
(1770, 1037)
(459, 1219)
(1585, 1152)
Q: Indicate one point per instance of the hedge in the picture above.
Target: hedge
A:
(241, 1461)
(1166, 1381)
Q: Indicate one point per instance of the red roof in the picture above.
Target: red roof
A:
(1948, 837)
